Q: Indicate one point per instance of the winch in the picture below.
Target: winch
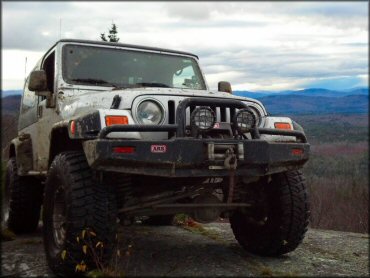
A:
(231, 163)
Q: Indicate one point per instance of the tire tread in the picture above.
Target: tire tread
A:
(286, 231)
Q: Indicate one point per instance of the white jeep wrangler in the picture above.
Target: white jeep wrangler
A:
(109, 132)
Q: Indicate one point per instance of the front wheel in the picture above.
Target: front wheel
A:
(75, 203)
(280, 222)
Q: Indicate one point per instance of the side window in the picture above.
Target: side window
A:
(29, 98)
(28, 109)
(49, 67)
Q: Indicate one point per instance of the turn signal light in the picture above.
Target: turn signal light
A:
(283, 126)
(297, 152)
(116, 120)
(73, 127)
(124, 149)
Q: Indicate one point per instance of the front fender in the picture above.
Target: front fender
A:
(270, 123)
(89, 125)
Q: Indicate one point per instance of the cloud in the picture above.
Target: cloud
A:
(342, 15)
(339, 9)
(14, 68)
(31, 21)
(257, 44)
(25, 25)
(197, 11)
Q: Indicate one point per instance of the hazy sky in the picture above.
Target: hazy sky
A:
(254, 45)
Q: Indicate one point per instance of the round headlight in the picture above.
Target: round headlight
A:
(244, 120)
(149, 113)
(203, 118)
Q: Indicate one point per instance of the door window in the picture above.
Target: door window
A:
(29, 98)
(28, 113)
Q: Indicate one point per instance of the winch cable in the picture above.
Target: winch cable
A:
(231, 163)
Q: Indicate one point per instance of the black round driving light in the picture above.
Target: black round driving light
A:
(244, 120)
(203, 118)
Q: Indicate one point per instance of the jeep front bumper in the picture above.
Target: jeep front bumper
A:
(184, 157)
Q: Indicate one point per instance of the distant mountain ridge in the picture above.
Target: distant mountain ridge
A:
(313, 101)
(306, 92)
(10, 105)
(301, 102)
(309, 105)
(11, 93)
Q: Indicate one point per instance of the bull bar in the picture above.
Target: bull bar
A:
(184, 156)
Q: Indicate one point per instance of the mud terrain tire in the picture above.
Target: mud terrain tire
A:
(286, 220)
(23, 198)
(79, 204)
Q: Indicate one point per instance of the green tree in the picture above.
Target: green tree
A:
(112, 34)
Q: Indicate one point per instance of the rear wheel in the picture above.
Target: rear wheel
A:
(75, 203)
(22, 199)
(278, 226)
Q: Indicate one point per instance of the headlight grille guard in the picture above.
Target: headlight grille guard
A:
(180, 127)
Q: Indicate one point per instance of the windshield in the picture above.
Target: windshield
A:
(88, 65)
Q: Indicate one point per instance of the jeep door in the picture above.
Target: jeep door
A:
(46, 116)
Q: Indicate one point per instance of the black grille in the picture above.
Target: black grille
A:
(171, 116)
(221, 112)
(171, 112)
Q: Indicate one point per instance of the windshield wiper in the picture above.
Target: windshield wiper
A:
(124, 86)
(139, 85)
(92, 81)
(152, 84)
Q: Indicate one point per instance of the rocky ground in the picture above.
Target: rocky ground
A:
(210, 251)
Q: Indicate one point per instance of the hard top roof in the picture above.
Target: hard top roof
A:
(126, 45)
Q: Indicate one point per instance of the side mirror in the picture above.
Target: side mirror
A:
(38, 84)
(37, 81)
(224, 86)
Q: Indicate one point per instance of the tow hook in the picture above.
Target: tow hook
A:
(231, 163)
